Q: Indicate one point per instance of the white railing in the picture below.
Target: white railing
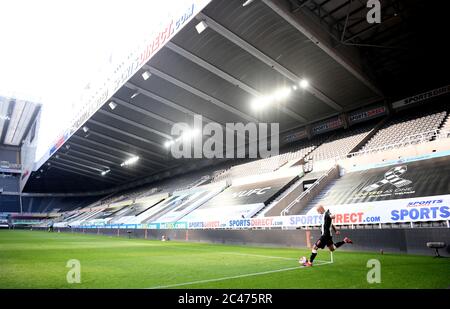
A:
(285, 211)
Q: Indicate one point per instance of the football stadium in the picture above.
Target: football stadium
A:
(225, 144)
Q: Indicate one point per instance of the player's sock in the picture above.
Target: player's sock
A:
(313, 256)
(339, 243)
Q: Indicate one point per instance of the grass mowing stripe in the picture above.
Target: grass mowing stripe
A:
(31, 259)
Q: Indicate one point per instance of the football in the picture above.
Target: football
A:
(302, 260)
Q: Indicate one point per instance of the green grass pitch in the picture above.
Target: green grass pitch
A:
(31, 259)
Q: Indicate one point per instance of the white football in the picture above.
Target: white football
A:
(302, 260)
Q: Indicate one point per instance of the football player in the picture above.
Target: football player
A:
(326, 238)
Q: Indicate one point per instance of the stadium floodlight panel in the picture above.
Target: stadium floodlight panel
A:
(146, 75)
(281, 94)
(190, 134)
(304, 83)
(201, 26)
(260, 103)
(264, 101)
(112, 105)
(167, 144)
(130, 161)
(135, 94)
(106, 172)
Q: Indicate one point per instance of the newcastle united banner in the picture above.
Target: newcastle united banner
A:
(240, 201)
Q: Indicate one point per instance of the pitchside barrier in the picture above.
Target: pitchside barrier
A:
(426, 209)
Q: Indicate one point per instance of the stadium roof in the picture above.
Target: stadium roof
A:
(243, 53)
(402, 52)
(16, 118)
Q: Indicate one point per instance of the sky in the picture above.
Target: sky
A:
(51, 50)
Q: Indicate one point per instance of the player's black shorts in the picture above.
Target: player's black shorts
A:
(324, 241)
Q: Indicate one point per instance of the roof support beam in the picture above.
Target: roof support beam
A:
(142, 110)
(163, 100)
(124, 144)
(299, 4)
(105, 167)
(266, 59)
(126, 153)
(88, 163)
(200, 93)
(115, 171)
(155, 154)
(135, 124)
(317, 36)
(140, 170)
(72, 169)
(102, 153)
(98, 152)
(88, 168)
(336, 9)
(67, 170)
(95, 158)
(339, 20)
(211, 68)
(169, 103)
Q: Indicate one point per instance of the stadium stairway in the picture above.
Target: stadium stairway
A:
(297, 206)
(319, 197)
(275, 207)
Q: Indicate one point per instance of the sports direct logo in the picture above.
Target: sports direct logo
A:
(232, 140)
(424, 203)
(355, 217)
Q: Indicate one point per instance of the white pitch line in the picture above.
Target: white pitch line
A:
(271, 257)
(225, 278)
(315, 265)
(232, 277)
